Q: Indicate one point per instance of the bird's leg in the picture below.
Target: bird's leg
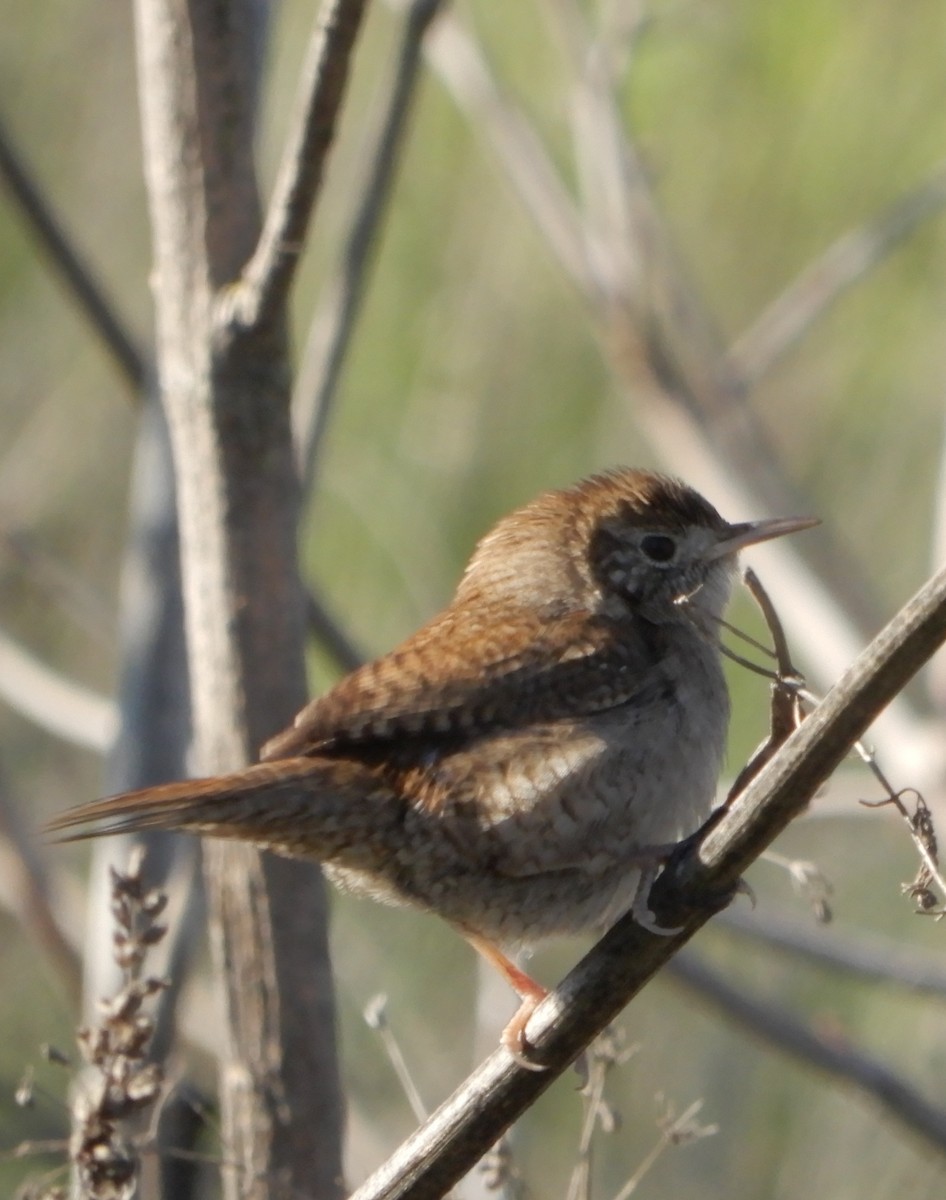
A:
(648, 859)
(513, 1037)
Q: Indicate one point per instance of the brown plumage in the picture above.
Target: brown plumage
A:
(513, 762)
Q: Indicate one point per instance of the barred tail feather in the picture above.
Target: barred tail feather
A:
(305, 807)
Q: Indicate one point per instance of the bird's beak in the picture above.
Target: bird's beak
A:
(737, 537)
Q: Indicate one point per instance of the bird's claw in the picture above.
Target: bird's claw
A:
(514, 1039)
(745, 889)
(639, 910)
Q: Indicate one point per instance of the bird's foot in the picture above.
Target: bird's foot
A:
(652, 859)
(531, 994)
(513, 1038)
(639, 910)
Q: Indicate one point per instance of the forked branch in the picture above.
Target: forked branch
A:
(258, 300)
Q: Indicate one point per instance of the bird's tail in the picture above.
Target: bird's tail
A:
(321, 808)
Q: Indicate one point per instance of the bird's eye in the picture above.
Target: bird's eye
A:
(658, 547)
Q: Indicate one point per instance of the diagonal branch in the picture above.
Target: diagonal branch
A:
(79, 279)
(696, 883)
(259, 300)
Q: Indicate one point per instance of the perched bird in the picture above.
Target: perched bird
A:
(514, 763)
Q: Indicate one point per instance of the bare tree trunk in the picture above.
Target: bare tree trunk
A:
(226, 393)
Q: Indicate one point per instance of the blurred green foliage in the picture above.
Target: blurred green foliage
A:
(769, 128)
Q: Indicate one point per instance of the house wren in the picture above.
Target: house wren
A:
(514, 763)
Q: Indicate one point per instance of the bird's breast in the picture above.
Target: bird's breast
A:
(522, 832)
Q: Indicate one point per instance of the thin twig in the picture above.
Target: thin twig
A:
(749, 640)
(122, 1083)
(785, 713)
(94, 305)
(332, 328)
(695, 883)
(500, 1174)
(832, 1054)
(919, 823)
(605, 1053)
(823, 282)
(780, 650)
(376, 1018)
(808, 881)
(923, 836)
(260, 298)
(828, 733)
(674, 1131)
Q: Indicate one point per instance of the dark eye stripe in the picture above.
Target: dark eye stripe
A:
(659, 547)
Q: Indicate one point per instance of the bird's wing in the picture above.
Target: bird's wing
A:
(475, 669)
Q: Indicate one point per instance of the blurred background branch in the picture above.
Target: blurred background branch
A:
(65, 259)
(828, 1051)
